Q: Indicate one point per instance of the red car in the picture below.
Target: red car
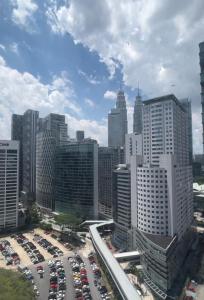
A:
(85, 281)
(53, 285)
(39, 268)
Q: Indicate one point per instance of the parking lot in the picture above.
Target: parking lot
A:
(56, 271)
(68, 278)
(23, 254)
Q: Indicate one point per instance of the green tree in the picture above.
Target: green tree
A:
(46, 226)
(14, 287)
(68, 219)
(34, 215)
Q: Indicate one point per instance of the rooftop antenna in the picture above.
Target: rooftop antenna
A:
(120, 85)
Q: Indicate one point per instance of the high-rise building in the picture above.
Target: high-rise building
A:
(137, 116)
(133, 145)
(117, 122)
(201, 55)
(76, 178)
(161, 193)
(53, 132)
(165, 130)
(17, 135)
(108, 159)
(186, 103)
(79, 135)
(24, 129)
(9, 183)
(30, 128)
(122, 206)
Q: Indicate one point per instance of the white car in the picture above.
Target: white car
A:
(35, 288)
(50, 263)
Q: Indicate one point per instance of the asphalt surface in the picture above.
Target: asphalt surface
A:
(43, 284)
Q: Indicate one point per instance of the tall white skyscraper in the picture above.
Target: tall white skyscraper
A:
(9, 184)
(161, 192)
(117, 122)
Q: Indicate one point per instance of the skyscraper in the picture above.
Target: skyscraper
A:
(17, 135)
(201, 55)
(24, 129)
(117, 122)
(186, 103)
(108, 159)
(9, 184)
(76, 178)
(137, 116)
(122, 206)
(161, 193)
(53, 132)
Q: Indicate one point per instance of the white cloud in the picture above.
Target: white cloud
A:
(2, 47)
(14, 48)
(89, 102)
(92, 128)
(22, 91)
(111, 95)
(91, 79)
(155, 42)
(23, 11)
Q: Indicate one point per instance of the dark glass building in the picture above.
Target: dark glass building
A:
(24, 129)
(108, 159)
(76, 179)
(53, 132)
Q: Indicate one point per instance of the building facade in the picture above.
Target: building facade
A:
(53, 133)
(186, 103)
(17, 135)
(201, 56)
(76, 180)
(24, 129)
(9, 184)
(79, 135)
(137, 116)
(161, 193)
(122, 206)
(117, 122)
(108, 159)
(133, 146)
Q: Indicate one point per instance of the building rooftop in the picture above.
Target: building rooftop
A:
(164, 98)
(160, 240)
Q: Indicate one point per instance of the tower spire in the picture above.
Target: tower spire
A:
(138, 89)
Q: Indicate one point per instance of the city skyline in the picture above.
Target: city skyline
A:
(51, 64)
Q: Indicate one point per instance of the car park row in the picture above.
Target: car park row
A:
(58, 286)
(10, 256)
(80, 279)
(53, 250)
(30, 248)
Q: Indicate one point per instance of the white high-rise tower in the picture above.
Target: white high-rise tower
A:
(161, 192)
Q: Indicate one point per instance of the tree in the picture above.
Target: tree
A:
(46, 226)
(34, 215)
(68, 219)
(14, 286)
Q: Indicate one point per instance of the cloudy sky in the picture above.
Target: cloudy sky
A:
(70, 56)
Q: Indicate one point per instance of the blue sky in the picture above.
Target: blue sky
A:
(71, 56)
